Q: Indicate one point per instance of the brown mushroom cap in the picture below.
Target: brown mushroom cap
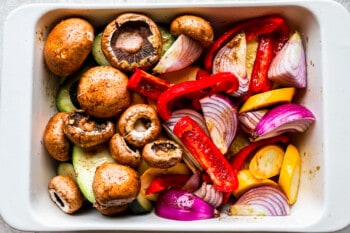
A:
(122, 153)
(112, 210)
(102, 91)
(132, 41)
(55, 141)
(83, 130)
(139, 124)
(115, 185)
(68, 45)
(194, 27)
(65, 193)
(162, 153)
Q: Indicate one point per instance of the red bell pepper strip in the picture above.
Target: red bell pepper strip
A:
(201, 74)
(238, 160)
(252, 28)
(167, 181)
(259, 81)
(146, 84)
(207, 154)
(196, 89)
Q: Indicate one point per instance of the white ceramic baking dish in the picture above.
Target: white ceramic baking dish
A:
(27, 102)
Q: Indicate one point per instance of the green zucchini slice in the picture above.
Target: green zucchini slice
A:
(66, 169)
(140, 205)
(97, 52)
(85, 162)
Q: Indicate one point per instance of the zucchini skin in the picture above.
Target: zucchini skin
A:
(140, 205)
(97, 52)
(85, 162)
(66, 97)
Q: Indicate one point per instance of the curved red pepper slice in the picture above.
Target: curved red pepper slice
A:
(207, 154)
(238, 160)
(252, 28)
(196, 89)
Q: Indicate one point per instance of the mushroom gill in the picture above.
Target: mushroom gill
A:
(132, 41)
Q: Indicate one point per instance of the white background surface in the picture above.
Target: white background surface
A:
(7, 6)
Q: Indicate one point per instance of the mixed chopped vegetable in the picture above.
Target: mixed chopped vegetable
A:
(176, 119)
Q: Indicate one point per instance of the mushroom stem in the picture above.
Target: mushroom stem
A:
(130, 41)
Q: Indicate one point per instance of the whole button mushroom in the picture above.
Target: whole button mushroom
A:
(122, 153)
(102, 91)
(115, 186)
(139, 124)
(86, 131)
(55, 141)
(132, 41)
(162, 153)
(65, 193)
(67, 46)
(194, 27)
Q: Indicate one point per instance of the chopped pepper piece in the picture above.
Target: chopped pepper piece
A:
(207, 154)
(252, 28)
(195, 90)
(201, 74)
(167, 181)
(147, 84)
(259, 81)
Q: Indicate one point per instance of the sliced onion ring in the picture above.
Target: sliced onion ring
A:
(182, 53)
(261, 201)
(232, 58)
(209, 194)
(221, 118)
(193, 114)
(249, 120)
(288, 68)
(284, 118)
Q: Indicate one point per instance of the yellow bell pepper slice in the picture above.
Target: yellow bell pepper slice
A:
(247, 181)
(289, 178)
(268, 98)
(267, 161)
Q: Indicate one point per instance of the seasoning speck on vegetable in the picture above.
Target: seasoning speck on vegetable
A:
(167, 116)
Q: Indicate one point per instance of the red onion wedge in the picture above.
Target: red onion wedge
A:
(261, 201)
(209, 194)
(232, 58)
(193, 183)
(193, 114)
(249, 120)
(284, 118)
(182, 205)
(182, 53)
(221, 117)
(288, 68)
